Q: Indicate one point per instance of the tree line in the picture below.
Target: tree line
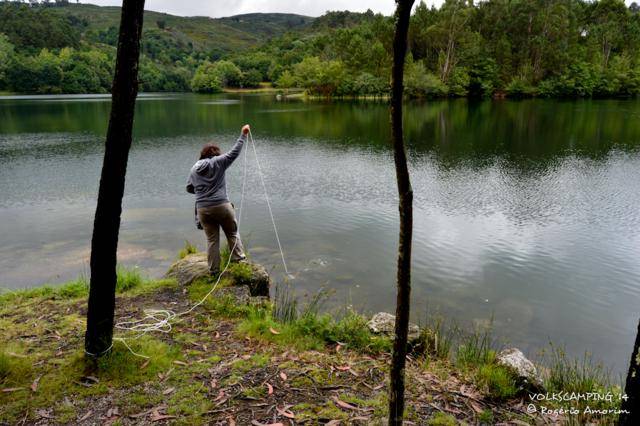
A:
(513, 48)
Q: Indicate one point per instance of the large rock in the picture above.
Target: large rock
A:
(194, 266)
(252, 275)
(521, 367)
(385, 323)
(189, 268)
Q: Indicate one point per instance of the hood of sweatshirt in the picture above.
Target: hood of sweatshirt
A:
(201, 166)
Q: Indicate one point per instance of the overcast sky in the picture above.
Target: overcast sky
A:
(218, 9)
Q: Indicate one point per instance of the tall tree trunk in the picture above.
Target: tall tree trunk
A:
(106, 225)
(396, 386)
(632, 388)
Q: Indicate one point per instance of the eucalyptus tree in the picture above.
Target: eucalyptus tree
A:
(106, 225)
(405, 206)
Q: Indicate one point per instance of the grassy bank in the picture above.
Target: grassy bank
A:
(256, 361)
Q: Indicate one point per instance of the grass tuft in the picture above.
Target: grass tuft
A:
(14, 368)
(187, 250)
(499, 382)
(128, 279)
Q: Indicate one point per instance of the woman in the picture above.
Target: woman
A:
(214, 211)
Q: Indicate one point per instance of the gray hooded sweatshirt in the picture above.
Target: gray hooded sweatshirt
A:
(206, 179)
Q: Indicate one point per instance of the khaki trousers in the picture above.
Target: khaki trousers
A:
(212, 219)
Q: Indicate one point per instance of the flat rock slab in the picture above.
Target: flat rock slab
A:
(194, 266)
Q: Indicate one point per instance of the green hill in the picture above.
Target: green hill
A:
(215, 36)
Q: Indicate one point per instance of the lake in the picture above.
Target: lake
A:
(525, 211)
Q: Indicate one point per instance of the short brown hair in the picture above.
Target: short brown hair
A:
(209, 150)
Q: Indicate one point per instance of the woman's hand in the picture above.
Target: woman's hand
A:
(245, 129)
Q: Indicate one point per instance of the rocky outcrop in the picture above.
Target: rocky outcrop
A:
(189, 268)
(253, 275)
(524, 370)
(384, 323)
(249, 275)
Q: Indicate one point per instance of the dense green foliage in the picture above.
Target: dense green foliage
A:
(516, 48)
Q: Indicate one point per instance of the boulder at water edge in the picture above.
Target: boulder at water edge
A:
(385, 323)
(521, 367)
(194, 266)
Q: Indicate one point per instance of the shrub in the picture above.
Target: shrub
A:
(458, 82)
(418, 83)
(251, 78)
(286, 80)
(519, 87)
(206, 79)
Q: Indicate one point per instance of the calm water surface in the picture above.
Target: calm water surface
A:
(525, 211)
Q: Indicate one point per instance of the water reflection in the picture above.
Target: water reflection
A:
(525, 210)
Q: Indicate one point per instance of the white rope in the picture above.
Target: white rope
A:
(266, 197)
(160, 319)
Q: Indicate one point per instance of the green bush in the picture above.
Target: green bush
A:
(519, 87)
(418, 83)
(206, 79)
(458, 82)
(251, 78)
(286, 80)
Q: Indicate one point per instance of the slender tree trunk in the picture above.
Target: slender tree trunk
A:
(632, 388)
(396, 386)
(106, 225)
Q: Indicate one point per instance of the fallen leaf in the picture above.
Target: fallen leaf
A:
(273, 331)
(7, 390)
(168, 391)
(90, 379)
(156, 417)
(145, 364)
(145, 413)
(257, 423)
(44, 414)
(112, 412)
(283, 376)
(231, 421)
(343, 404)
(269, 388)
(476, 407)
(34, 385)
(284, 412)
(86, 416)
(220, 395)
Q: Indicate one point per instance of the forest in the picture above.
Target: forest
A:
(495, 48)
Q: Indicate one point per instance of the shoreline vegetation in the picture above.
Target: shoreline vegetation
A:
(242, 359)
(492, 49)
